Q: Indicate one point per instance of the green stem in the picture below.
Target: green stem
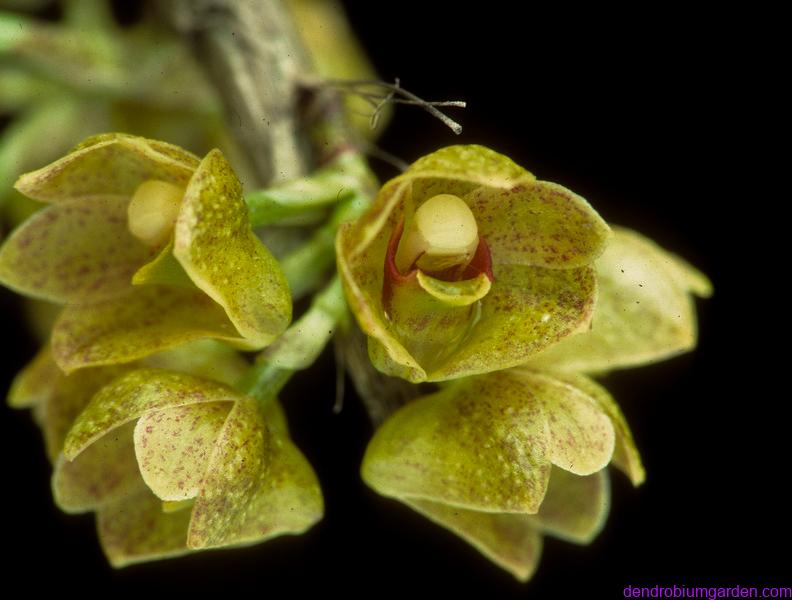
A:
(299, 346)
(305, 267)
(264, 381)
(300, 200)
(304, 200)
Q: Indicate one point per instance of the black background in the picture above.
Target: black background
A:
(647, 115)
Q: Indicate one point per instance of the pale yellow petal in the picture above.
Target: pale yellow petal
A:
(70, 396)
(472, 445)
(471, 163)
(135, 394)
(288, 500)
(257, 485)
(236, 467)
(36, 382)
(163, 270)
(147, 320)
(173, 447)
(527, 310)
(575, 508)
(580, 435)
(486, 443)
(538, 223)
(625, 453)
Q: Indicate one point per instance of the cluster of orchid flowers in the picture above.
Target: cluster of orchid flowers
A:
(504, 292)
(465, 271)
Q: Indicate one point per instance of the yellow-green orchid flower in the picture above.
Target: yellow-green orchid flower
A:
(502, 457)
(467, 264)
(149, 247)
(222, 469)
(170, 462)
(475, 457)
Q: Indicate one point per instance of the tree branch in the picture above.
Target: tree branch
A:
(255, 59)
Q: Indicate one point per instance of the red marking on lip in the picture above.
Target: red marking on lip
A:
(392, 274)
(480, 263)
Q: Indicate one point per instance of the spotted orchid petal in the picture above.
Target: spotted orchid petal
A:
(574, 509)
(130, 211)
(135, 529)
(509, 540)
(539, 223)
(644, 312)
(59, 398)
(487, 443)
(110, 165)
(135, 394)
(626, 456)
(106, 471)
(222, 256)
(173, 447)
(32, 386)
(257, 484)
(202, 442)
(147, 320)
(77, 251)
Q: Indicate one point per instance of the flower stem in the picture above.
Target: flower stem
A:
(299, 346)
(308, 265)
(301, 200)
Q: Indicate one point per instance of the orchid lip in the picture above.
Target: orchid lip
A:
(441, 234)
(480, 263)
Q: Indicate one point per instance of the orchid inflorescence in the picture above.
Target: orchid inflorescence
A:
(507, 294)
